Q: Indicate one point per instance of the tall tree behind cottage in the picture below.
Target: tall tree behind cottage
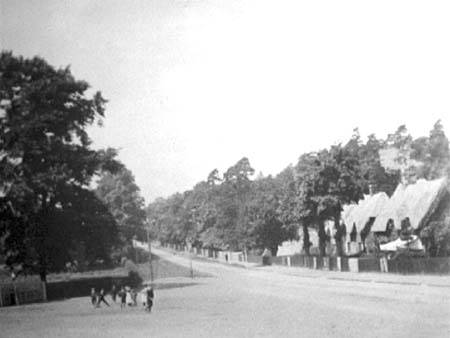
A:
(372, 171)
(437, 161)
(47, 210)
(263, 218)
(327, 180)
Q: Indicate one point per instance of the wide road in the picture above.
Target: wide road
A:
(239, 302)
(261, 303)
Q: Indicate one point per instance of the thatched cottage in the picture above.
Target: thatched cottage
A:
(419, 202)
(358, 218)
(424, 206)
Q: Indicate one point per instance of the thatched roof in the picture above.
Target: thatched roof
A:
(347, 211)
(416, 201)
(359, 214)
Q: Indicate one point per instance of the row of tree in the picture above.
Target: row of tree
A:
(52, 211)
(49, 212)
(232, 211)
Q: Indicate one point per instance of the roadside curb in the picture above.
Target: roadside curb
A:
(438, 285)
(372, 280)
(310, 276)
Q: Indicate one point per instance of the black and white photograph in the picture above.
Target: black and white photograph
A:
(224, 168)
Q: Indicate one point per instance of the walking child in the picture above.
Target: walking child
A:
(150, 296)
(134, 296)
(114, 293)
(101, 298)
(123, 297)
(143, 296)
(128, 297)
(93, 297)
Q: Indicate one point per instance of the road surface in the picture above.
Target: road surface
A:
(239, 302)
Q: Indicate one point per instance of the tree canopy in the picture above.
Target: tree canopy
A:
(46, 167)
(119, 192)
(235, 211)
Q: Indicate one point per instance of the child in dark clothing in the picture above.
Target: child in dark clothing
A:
(101, 298)
(150, 296)
(123, 298)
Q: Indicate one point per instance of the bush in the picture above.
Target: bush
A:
(82, 287)
(134, 279)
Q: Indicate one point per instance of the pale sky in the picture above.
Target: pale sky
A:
(197, 85)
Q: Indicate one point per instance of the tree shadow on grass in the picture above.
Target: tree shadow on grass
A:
(172, 285)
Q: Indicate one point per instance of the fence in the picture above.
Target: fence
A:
(409, 265)
(403, 265)
(32, 291)
(18, 293)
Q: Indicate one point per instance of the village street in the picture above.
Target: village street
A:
(269, 303)
(240, 302)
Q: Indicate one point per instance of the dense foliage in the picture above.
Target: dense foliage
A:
(234, 211)
(120, 193)
(48, 214)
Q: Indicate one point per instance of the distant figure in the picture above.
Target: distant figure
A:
(134, 296)
(123, 297)
(114, 293)
(129, 299)
(93, 297)
(143, 296)
(406, 229)
(101, 298)
(149, 300)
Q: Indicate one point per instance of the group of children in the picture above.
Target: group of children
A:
(97, 298)
(126, 295)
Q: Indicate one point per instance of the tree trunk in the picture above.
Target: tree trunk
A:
(43, 273)
(322, 238)
(43, 269)
(42, 234)
(274, 251)
(306, 242)
(339, 235)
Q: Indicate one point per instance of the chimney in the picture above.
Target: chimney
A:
(371, 189)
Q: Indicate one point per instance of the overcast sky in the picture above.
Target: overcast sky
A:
(197, 85)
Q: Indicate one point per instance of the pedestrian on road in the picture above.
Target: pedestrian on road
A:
(129, 299)
(143, 296)
(114, 293)
(149, 301)
(93, 297)
(134, 296)
(123, 298)
(101, 298)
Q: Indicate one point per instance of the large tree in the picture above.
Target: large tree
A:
(46, 166)
(424, 157)
(292, 208)
(327, 180)
(233, 194)
(120, 193)
(437, 160)
(264, 228)
(372, 171)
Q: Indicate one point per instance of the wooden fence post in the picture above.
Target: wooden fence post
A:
(16, 296)
(44, 291)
